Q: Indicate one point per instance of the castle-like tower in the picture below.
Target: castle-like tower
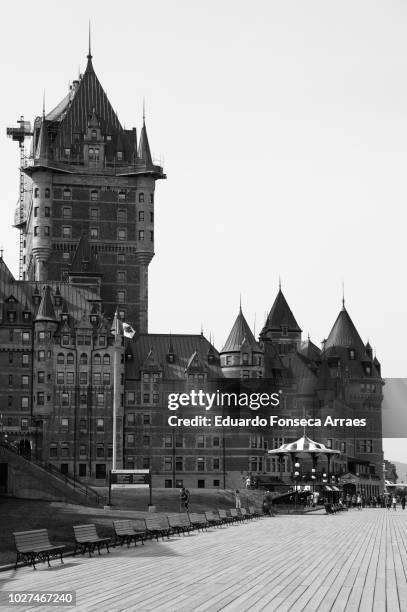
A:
(91, 181)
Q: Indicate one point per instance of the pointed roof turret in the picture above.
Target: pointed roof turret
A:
(280, 315)
(344, 333)
(240, 334)
(144, 152)
(46, 310)
(195, 363)
(84, 260)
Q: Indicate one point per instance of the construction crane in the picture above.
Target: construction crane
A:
(19, 134)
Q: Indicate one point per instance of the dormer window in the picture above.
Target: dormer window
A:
(368, 370)
(352, 354)
(94, 134)
(64, 316)
(94, 319)
(211, 358)
(171, 357)
(121, 195)
(284, 330)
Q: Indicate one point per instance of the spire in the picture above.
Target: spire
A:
(239, 334)
(343, 295)
(89, 56)
(43, 105)
(144, 152)
(116, 328)
(344, 333)
(281, 315)
(46, 310)
(84, 258)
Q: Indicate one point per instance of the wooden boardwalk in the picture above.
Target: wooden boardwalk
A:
(352, 561)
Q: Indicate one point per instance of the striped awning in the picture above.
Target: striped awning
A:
(304, 445)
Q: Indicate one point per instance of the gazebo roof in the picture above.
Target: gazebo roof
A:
(304, 445)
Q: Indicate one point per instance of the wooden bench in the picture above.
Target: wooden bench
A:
(157, 527)
(126, 531)
(179, 523)
(253, 512)
(225, 517)
(244, 514)
(32, 545)
(213, 519)
(198, 521)
(87, 539)
(235, 515)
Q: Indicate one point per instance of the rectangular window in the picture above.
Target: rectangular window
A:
(146, 419)
(200, 464)
(82, 470)
(122, 216)
(141, 215)
(66, 231)
(53, 451)
(94, 233)
(121, 276)
(83, 378)
(167, 464)
(131, 440)
(168, 441)
(24, 423)
(97, 378)
(106, 378)
(146, 440)
(25, 360)
(65, 399)
(24, 403)
(179, 464)
(60, 378)
(25, 337)
(94, 214)
(41, 377)
(40, 398)
(35, 211)
(200, 441)
(64, 423)
(70, 378)
(67, 212)
(121, 234)
(216, 463)
(146, 398)
(179, 441)
(47, 211)
(131, 397)
(141, 235)
(100, 451)
(151, 236)
(24, 380)
(64, 451)
(100, 399)
(121, 259)
(100, 424)
(82, 450)
(83, 424)
(121, 297)
(131, 418)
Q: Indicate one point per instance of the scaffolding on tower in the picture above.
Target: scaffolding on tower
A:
(19, 134)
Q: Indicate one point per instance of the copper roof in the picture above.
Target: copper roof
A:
(345, 334)
(280, 315)
(240, 334)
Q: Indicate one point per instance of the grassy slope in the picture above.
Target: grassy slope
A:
(58, 518)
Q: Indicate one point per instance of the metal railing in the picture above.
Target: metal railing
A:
(67, 480)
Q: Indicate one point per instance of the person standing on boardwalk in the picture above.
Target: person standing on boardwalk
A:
(184, 498)
(359, 501)
(403, 502)
(237, 499)
(394, 502)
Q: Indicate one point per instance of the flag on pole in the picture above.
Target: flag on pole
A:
(128, 331)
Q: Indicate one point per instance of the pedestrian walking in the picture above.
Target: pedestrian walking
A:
(184, 498)
(394, 502)
(403, 502)
(359, 501)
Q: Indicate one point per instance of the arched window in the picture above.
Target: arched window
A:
(60, 358)
(70, 358)
(36, 192)
(94, 195)
(83, 359)
(97, 359)
(106, 359)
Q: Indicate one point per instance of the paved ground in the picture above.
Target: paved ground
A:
(352, 561)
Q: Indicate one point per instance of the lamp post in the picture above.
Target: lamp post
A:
(296, 476)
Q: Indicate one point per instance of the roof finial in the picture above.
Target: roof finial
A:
(90, 44)
(43, 104)
(279, 283)
(309, 337)
(240, 303)
(144, 110)
(343, 295)
(1, 252)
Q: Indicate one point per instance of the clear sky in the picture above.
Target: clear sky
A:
(283, 130)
